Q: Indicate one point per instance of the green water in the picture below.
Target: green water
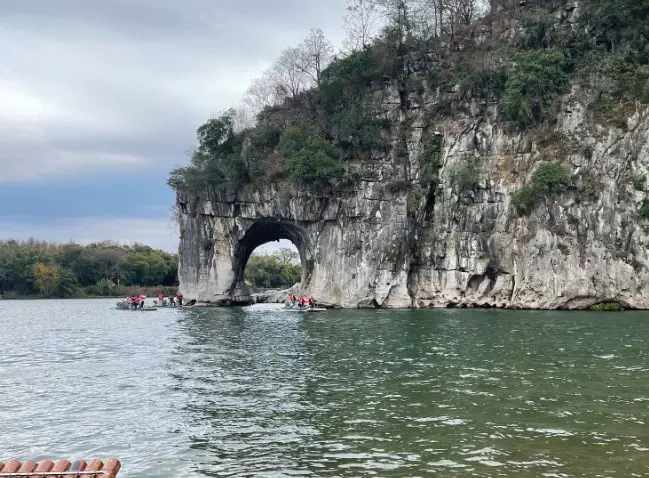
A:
(260, 392)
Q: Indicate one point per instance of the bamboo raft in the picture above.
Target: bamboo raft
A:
(62, 468)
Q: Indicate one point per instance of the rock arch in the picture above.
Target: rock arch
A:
(261, 232)
(351, 256)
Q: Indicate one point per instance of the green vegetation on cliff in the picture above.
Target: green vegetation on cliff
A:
(548, 180)
(38, 268)
(313, 118)
(606, 307)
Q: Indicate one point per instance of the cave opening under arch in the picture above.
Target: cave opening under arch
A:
(266, 231)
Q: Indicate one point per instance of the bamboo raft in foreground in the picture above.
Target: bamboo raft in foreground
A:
(62, 468)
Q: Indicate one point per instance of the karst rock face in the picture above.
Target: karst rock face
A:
(374, 246)
(395, 241)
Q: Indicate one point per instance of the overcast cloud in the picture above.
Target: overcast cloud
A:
(124, 83)
(119, 86)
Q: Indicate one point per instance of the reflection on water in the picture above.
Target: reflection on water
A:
(261, 392)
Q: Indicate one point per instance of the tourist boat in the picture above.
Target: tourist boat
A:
(165, 303)
(294, 308)
(309, 309)
(124, 305)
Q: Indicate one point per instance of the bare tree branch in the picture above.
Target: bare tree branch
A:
(362, 24)
(260, 94)
(317, 53)
(287, 75)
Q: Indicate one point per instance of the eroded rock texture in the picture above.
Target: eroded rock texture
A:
(398, 239)
(393, 243)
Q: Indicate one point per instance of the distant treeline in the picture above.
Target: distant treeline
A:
(38, 268)
(281, 269)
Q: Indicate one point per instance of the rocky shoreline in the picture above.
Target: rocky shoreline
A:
(273, 296)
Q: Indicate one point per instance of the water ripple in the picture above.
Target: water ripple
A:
(255, 392)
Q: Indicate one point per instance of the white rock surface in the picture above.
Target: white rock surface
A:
(368, 248)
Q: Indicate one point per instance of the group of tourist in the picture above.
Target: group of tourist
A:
(173, 301)
(137, 301)
(303, 301)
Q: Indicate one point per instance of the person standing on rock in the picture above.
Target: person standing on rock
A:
(179, 297)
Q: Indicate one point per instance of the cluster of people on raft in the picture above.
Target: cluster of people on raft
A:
(303, 301)
(137, 301)
(173, 301)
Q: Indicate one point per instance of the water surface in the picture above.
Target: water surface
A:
(261, 392)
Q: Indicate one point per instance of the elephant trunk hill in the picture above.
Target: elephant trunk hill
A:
(502, 165)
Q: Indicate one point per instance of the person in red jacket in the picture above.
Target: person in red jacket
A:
(142, 297)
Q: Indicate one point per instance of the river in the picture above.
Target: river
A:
(261, 392)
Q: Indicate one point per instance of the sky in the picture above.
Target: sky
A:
(100, 99)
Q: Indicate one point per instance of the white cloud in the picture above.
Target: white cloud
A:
(83, 84)
(157, 233)
(20, 106)
(275, 246)
(55, 162)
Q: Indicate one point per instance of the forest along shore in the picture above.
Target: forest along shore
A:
(36, 269)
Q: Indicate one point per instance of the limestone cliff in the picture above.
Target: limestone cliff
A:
(394, 240)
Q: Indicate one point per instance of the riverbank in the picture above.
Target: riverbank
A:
(118, 292)
(280, 296)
